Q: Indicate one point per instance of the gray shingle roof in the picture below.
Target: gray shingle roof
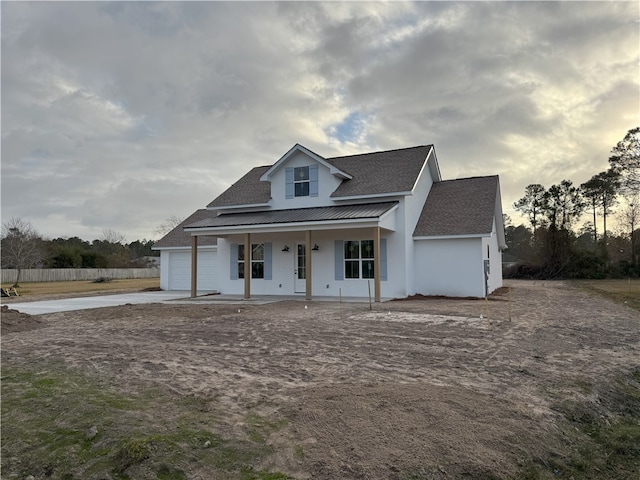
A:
(381, 172)
(179, 238)
(249, 190)
(459, 207)
(297, 215)
(375, 173)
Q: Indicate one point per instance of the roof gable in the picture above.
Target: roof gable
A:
(465, 206)
(391, 171)
(364, 175)
(299, 148)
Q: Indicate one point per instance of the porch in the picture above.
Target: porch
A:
(328, 252)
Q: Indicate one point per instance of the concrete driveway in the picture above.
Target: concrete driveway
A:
(41, 307)
(82, 303)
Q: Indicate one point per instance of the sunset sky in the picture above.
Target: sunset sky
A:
(116, 116)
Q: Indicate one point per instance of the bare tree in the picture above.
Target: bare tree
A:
(170, 223)
(112, 236)
(21, 246)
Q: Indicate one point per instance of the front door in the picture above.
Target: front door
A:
(299, 269)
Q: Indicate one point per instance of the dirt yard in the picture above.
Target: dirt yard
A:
(415, 389)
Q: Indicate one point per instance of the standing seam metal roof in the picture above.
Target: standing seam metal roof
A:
(297, 215)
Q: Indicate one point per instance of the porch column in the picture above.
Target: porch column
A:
(307, 263)
(376, 262)
(194, 266)
(247, 265)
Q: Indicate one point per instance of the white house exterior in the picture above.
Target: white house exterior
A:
(382, 222)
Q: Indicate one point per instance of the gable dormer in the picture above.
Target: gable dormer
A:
(302, 178)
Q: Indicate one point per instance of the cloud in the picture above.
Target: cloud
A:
(118, 115)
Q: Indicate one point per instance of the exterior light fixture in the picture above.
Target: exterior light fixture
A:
(286, 248)
(315, 247)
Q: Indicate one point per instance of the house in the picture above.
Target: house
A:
(382, 222)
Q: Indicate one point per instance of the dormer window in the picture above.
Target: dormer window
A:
(301, 181)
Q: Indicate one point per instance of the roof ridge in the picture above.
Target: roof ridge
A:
(468, 178)
(379, 151)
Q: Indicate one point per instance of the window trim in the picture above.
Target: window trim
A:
(257, 261)
(359, 260)
(289, 185)
(302, 182)
(240, 262)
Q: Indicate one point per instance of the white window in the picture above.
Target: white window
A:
(301, 181)
(257, 260)
(358, 259)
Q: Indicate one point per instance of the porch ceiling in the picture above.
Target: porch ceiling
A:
(343, 215)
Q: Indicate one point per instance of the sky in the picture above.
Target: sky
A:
(117, 116)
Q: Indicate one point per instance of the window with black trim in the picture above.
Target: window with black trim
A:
(301, 181)
(358, 259)
(257, 260)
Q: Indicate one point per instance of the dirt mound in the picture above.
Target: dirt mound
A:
(15, 321)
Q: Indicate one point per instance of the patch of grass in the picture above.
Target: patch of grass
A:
(47, 412)
(166, 472)
(132, 452)
(298, 452)
(85, 286)
(529, 471)
(259, 427)
(604, 432)
(251, 474)
(621, 291)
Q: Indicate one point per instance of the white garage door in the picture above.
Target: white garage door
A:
(180, 271)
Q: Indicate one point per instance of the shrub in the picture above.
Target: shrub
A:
(102, 280)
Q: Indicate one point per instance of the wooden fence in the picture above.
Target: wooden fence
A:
(70, 274)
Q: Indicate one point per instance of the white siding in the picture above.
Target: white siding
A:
(322, 265)
(491, 251)
(164, 269)
(412, 206)
(449, 267)
(327, 183)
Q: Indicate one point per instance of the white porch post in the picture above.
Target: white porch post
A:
(376, 262)
(194, 266)
(307, 264)
(247, 265)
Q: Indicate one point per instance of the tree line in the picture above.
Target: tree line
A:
(23, 247)
(551, 247)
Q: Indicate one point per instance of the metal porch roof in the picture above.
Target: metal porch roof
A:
(297, 215)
